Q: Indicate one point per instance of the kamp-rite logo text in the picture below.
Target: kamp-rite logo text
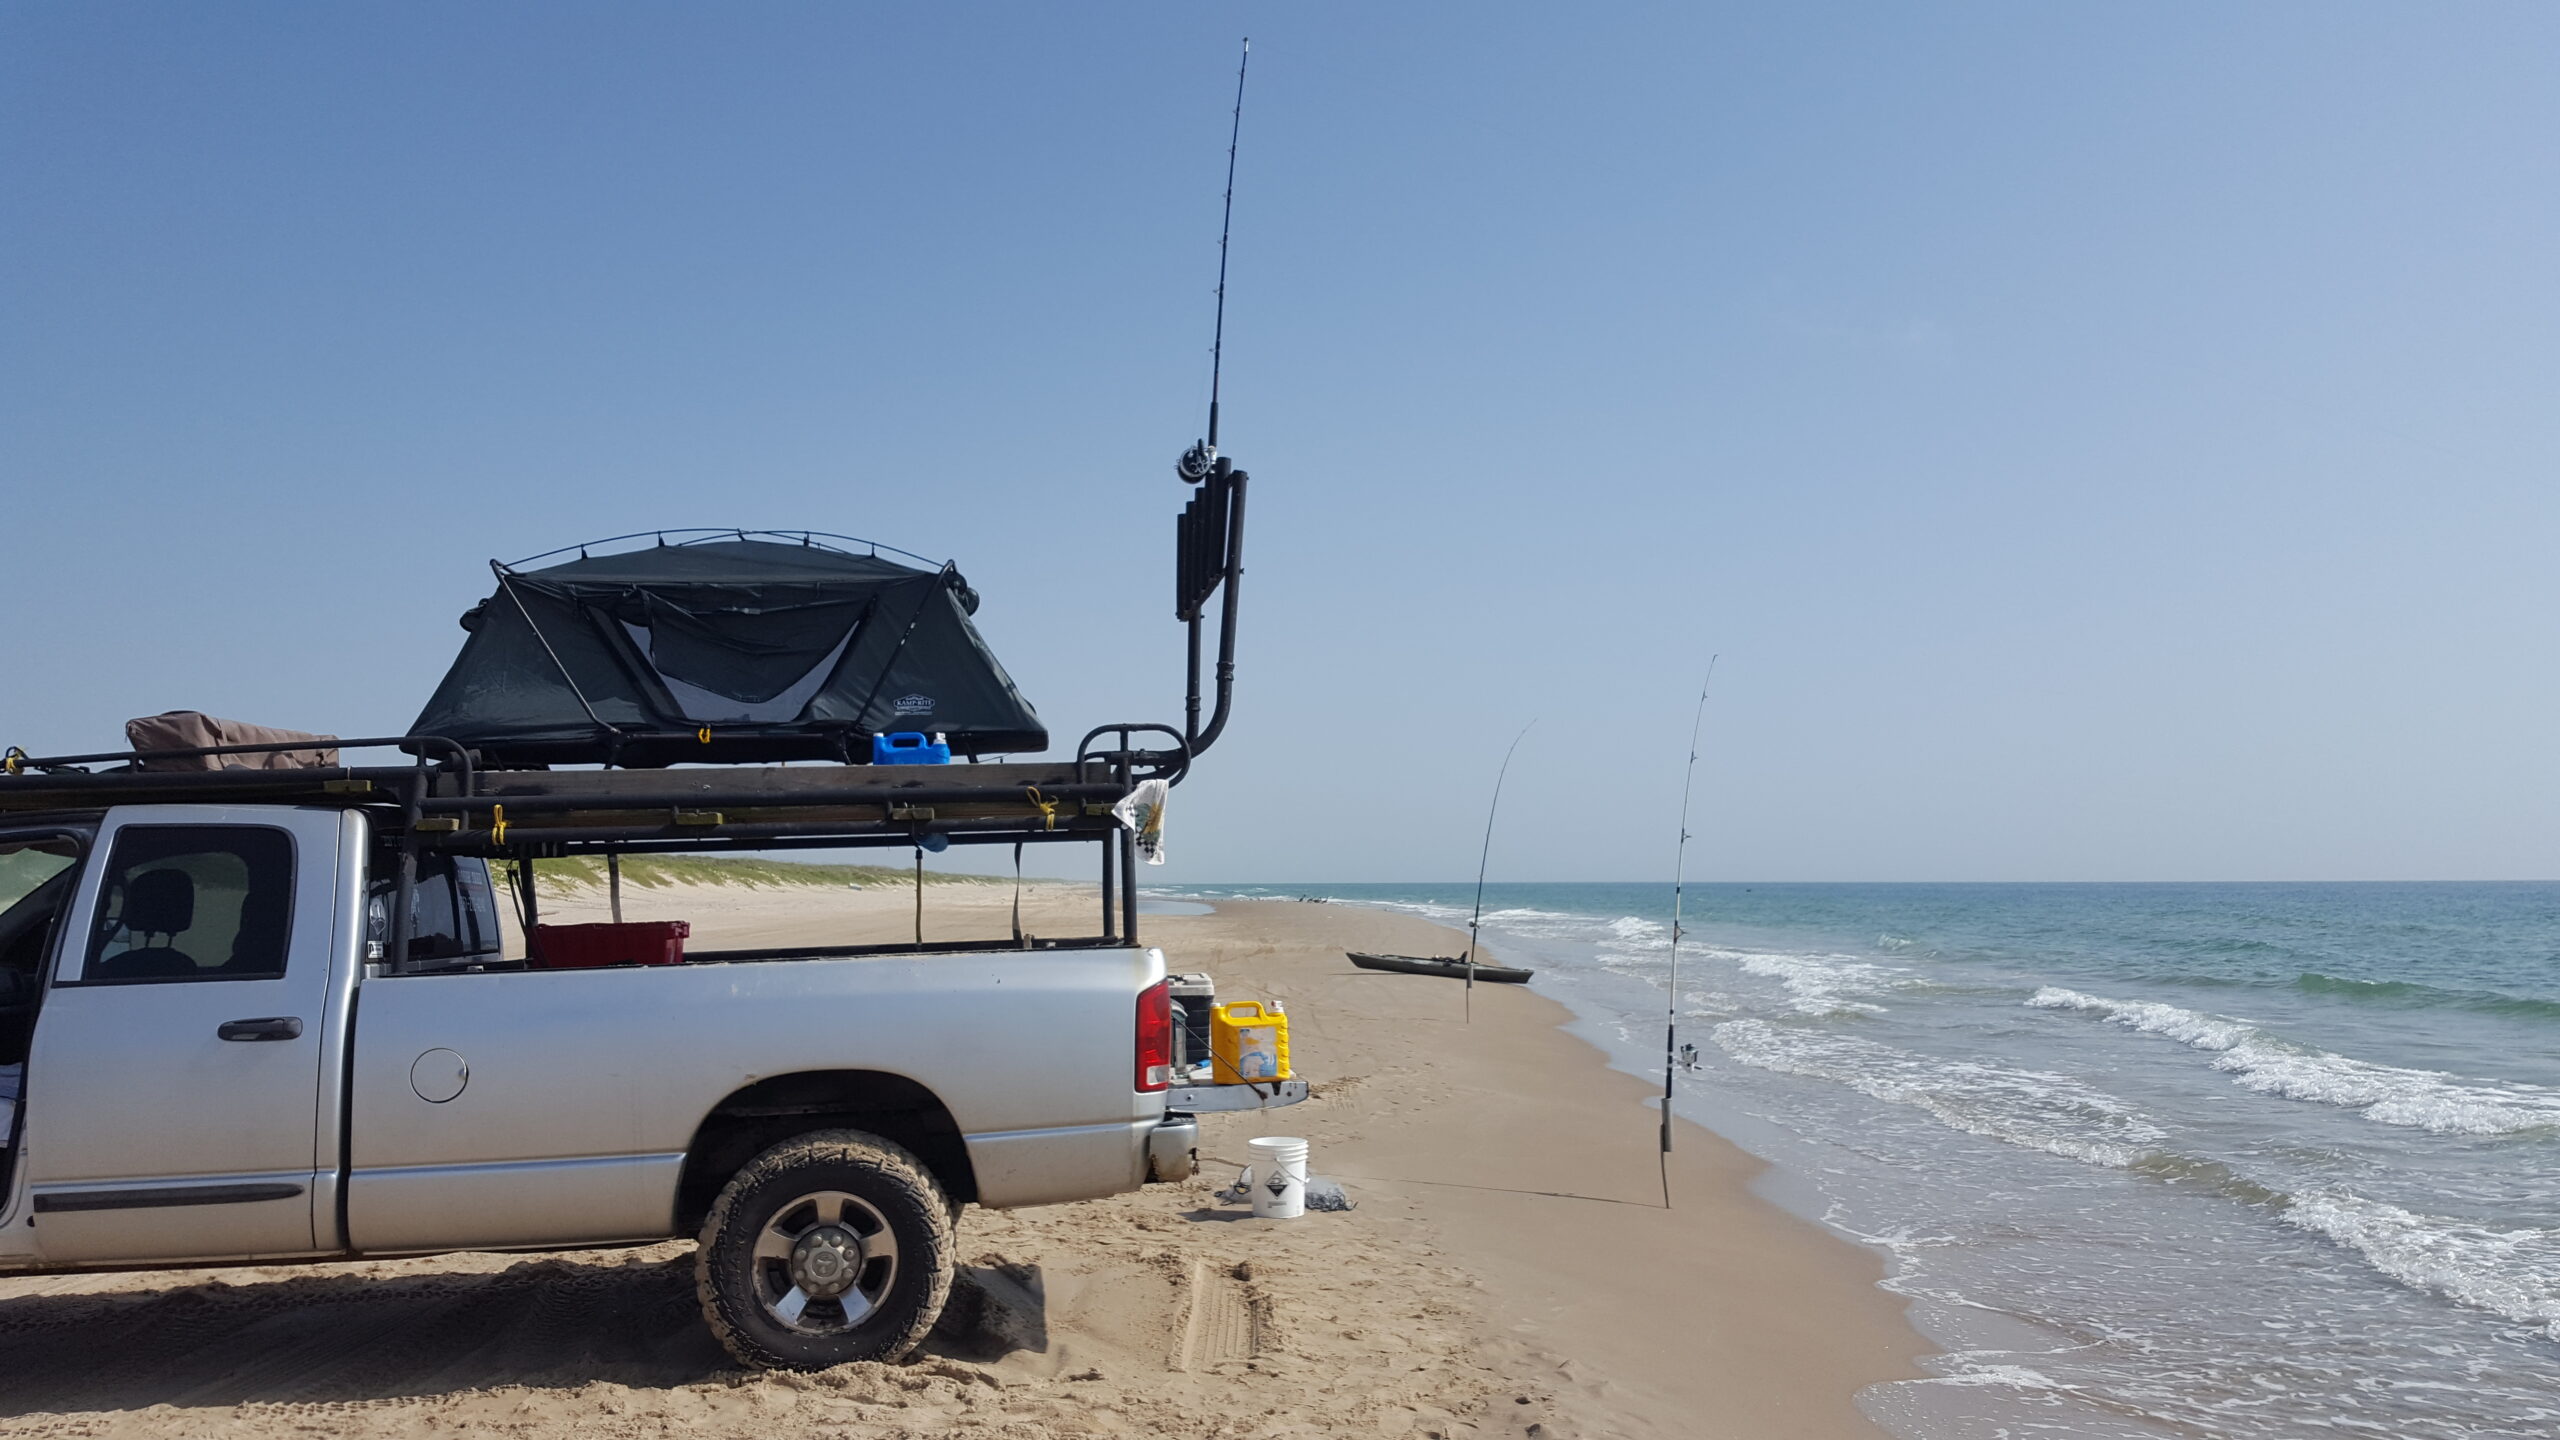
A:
(912, 705)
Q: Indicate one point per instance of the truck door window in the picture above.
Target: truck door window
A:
(193, 902)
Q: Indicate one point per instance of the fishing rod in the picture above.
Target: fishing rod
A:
(1226, 224)
(1679, 877)
(1482, 859)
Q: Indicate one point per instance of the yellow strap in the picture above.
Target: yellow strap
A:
(1048, 808)
(10, 760)
(497, 824)
(703, 734)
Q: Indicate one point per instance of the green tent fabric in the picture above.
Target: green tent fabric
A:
(779, 651)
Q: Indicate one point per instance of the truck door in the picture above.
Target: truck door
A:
(173, 1091)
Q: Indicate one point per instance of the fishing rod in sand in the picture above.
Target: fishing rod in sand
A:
(1679, 876)
(1486, 855)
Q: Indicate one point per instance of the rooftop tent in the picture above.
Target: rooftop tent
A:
(775, 648)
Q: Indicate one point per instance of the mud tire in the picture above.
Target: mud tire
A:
(883, 1176)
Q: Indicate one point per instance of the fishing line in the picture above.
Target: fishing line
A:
(1679, 875)
(1487, 854)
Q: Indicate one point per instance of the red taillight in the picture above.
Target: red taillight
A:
(1155, 1036)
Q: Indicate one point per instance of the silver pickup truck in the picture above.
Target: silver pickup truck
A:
(208, 1059)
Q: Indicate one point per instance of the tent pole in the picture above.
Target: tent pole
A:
(940, 581)
(506, 583)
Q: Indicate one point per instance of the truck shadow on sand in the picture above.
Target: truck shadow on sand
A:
(320, 1338)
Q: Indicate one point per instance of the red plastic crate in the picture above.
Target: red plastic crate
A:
(587, 947)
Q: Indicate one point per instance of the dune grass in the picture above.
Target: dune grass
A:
(574, 873)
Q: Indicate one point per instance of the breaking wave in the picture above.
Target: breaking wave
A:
(2513, 1271)
(2032, 1109)
(1819, 985)
(1639, 932)
(2388, 1094)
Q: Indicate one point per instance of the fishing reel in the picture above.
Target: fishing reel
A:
(1197, 463)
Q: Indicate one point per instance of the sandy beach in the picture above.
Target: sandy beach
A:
(1509, 1270)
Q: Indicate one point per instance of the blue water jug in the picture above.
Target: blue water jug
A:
(907, 747)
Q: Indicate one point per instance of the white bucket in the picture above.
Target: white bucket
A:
(1279, 1176)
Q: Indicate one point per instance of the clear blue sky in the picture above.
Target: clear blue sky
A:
(2102, 442)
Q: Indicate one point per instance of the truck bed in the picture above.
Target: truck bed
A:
(606, 1111)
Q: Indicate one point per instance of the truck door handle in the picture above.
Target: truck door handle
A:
(275, 1027)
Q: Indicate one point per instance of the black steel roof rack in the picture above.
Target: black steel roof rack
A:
(450, 806)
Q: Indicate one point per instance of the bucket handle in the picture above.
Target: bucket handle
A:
(1233, 1005)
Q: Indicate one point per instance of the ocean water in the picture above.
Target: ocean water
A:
(2151, 1160)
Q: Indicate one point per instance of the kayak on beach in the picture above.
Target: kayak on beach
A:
(1453, 966)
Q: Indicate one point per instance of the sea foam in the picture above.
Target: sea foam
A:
(2512, 1271)
(2032, 1109)
(1819, 985)
(1637, 931)
(2388, 1094)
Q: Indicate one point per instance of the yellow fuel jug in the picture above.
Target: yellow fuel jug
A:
(1248, 1042)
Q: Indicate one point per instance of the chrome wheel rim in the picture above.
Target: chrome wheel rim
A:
(824, 1263)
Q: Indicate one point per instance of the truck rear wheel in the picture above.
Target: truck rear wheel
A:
(831, 1247)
